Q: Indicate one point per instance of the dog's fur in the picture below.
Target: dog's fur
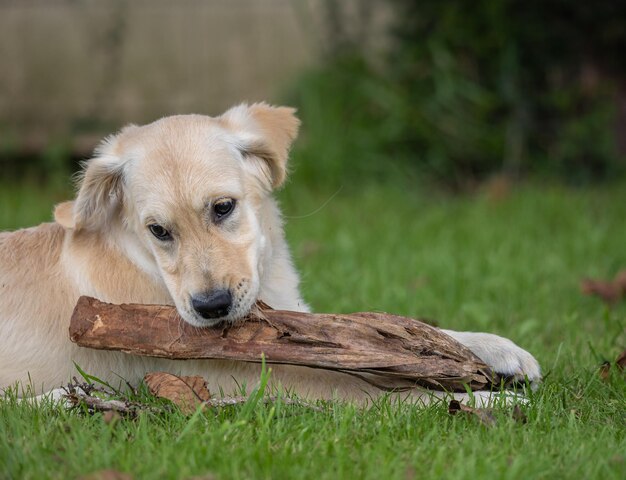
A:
(171, 173)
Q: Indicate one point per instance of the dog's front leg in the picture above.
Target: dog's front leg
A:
(501, 354)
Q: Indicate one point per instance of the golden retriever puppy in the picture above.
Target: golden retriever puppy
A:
(177, 212)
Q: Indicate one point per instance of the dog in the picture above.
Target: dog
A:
(178, 212)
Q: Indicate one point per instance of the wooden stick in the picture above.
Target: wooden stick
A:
(388, 351)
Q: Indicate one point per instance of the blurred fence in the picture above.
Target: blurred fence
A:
(74, 69)
(457, 90)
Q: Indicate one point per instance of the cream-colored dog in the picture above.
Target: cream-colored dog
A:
(177, 212)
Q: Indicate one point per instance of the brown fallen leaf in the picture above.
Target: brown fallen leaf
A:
(620, 363)
(186, 392)
(610, 291)
(605, 370)
(111, 417)
(621, 360)
(485, 415)
(107, 474)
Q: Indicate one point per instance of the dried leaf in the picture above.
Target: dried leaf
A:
(621, 360)
(111, 417)
(186, 392)
(620, 363)
(106, 475)
(610, 291)
(485, 415)
(605, 370)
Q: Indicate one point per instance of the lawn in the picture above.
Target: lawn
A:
(509, 264)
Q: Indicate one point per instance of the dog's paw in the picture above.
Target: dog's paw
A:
(502, 355)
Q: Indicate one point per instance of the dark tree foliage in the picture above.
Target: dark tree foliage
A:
(469, 88)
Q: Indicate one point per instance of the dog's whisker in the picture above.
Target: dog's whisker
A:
(317, 210)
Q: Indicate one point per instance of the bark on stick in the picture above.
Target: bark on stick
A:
(388, 351)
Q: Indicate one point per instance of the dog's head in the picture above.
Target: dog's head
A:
(185, 196)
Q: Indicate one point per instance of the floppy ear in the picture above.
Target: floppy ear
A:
(264, 135)
(100, 187)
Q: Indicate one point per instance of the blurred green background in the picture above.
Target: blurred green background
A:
(462, 161)
(450, 93)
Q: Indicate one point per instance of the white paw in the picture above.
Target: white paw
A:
(502, 355)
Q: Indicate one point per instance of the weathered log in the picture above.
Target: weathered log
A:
(388, 351)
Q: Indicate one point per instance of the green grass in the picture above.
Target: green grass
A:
(509, 266)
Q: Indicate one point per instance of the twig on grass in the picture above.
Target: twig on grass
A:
(78, 397)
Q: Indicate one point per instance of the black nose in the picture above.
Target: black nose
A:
(214, 304)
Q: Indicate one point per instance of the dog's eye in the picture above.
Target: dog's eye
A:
(223, 207)
(159, 232)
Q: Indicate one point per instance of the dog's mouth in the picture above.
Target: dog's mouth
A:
(237, 313)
